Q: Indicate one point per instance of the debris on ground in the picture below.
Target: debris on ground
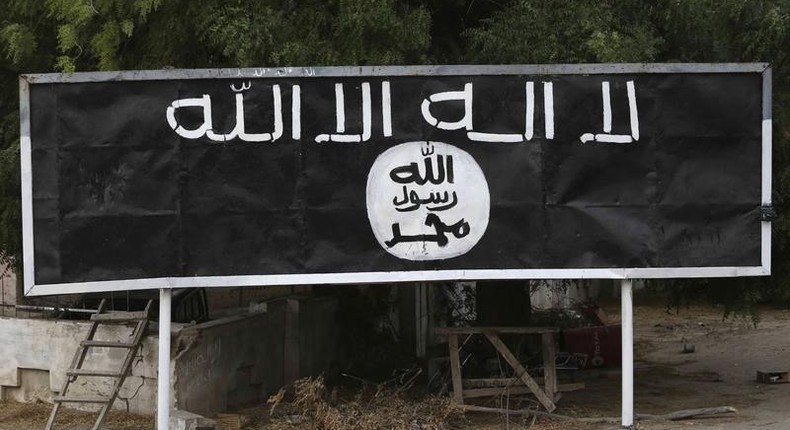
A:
(315, 407)
(34, 415)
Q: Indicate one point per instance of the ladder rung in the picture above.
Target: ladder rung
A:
(108, 344)
(64, 399)
(120, 316)
(89, 372)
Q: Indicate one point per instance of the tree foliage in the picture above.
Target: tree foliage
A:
(79, 35)
(527, 31)
(551, 32)
(82, 35)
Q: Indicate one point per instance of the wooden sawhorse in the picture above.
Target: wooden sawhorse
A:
(545, 395)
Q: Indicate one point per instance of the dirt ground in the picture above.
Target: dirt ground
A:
(720, 372)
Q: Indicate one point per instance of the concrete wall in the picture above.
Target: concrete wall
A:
(36, 353)
(564, 294)
(224, 363)
(243, 360)
(7, 291)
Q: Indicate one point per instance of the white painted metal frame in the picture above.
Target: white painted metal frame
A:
(627, 352)
(163, 361)
(33, 289)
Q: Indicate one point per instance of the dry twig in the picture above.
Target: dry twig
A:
(672, 416)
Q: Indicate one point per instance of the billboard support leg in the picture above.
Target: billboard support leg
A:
(163, 389)
(627, 324)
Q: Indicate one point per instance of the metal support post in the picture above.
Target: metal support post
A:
(627, 325)
(163, 378)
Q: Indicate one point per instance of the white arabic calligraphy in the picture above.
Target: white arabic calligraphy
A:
(427, 201)
(433, 116)
(340, 117)
(607, 136)
(466, 122)
(239, 130)
(244, 86)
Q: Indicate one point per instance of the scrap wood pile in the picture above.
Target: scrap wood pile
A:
(311, 405)
(315, 407)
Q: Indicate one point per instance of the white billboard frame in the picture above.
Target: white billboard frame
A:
(33, 289)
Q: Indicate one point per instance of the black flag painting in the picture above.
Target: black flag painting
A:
(179, 178)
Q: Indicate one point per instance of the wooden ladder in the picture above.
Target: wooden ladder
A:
(140, 321)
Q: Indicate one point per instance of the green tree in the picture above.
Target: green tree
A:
(537, 32)
(532, 31)
(67, 36)
(26, 41)
(123, 34)
(742, 31)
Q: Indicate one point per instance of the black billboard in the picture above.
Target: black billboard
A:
(338, 175)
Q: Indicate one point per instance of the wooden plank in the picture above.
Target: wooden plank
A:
(64, 399)
(455, 369)
(496, 391)
(80, 353)
(291, 360)
(119, 316)
(141, 319)
(481, 330)
(544, 400)
(549, 365)
(76, 363)
(490, 382)
(139, 332)
(773, 377)
(515, 390)
(673, 416)
(512, 382)
(107, 344)
(52, 415)
(88, 372)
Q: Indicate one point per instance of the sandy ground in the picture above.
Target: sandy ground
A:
(721, 371)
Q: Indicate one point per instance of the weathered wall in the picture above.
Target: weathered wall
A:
(221, 300)
(318, 336)
(559, 294)
(35, 347)
(219, 364)
(7, 291)
(219, 360)
(241, 360)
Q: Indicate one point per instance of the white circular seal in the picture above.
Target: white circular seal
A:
(427, 201)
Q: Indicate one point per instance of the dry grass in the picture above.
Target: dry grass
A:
(13, 414)
(314, 407)
(29, 416)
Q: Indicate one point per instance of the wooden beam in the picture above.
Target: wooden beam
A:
(549, 367)
(455, 369)
(491, 382)
(672, 416)
(544, 400)
(514, 390)
(480, 330)
(511, 382)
